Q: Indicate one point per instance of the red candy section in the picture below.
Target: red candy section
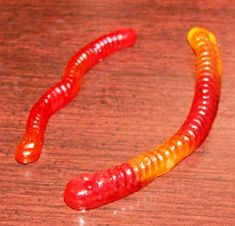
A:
(93, 190)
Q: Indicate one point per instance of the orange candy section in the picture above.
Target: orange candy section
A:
(161, 159)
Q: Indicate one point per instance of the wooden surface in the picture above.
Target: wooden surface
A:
(127, 104)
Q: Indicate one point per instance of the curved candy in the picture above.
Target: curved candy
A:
(29, 148)
(89, 191)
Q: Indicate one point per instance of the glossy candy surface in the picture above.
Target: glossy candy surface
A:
(89, 191)
(29, 148)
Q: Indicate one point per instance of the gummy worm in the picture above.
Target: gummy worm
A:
(89, 191)
(29, 148)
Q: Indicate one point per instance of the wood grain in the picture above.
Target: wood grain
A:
(127, 104)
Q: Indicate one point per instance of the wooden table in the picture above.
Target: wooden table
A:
(127, 104)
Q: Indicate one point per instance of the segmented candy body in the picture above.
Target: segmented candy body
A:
(89, 191)
(29, 148)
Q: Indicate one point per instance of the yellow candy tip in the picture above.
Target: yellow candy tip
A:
(196, 32)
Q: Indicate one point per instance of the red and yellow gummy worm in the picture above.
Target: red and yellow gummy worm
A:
(89, 191)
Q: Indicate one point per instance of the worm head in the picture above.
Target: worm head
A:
(88, 191)
(83, 193)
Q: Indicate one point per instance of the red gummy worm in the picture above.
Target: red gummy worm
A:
(89, 191)
(30, 146)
